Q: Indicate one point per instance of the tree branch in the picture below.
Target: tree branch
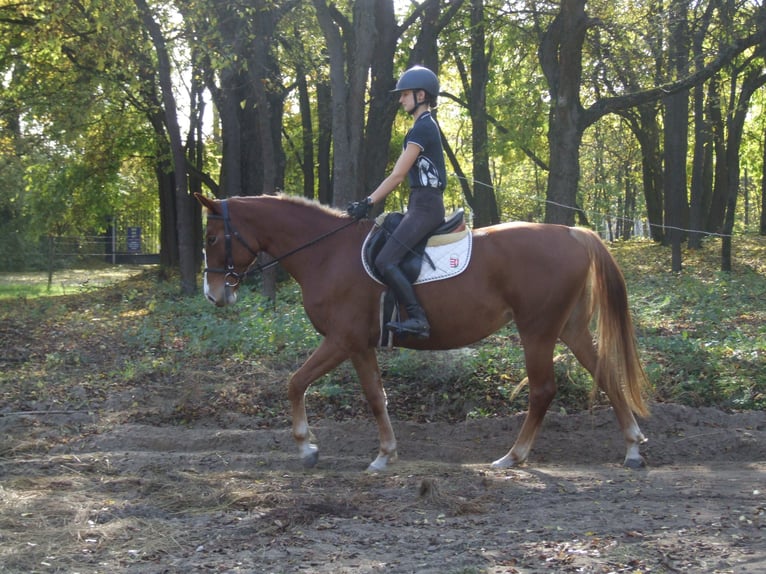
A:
(619, 103)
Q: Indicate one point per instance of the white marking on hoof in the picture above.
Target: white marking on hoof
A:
(310, 455)
(506, 462)
(381, 462)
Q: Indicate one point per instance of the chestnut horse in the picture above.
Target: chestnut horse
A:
(549, 279)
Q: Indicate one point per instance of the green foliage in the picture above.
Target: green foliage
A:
(68, 139)
(251, 328)
(703, 332)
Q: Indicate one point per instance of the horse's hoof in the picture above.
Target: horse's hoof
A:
(506, 462)
(310, 460)
(635, 463)
(381, 463)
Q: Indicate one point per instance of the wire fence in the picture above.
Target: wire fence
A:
(123, 243)
(608, 224)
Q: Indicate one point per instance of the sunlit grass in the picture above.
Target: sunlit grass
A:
(64, 282)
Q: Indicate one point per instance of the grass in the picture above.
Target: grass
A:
(703, 331)
(64, 282)
(702, 335)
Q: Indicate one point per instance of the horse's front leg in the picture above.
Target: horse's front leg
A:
(366, 365)
(324, 359)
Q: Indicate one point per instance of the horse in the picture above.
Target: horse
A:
(551, 280)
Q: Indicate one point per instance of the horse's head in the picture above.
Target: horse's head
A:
(227, 255)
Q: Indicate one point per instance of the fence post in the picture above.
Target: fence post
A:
(51, 252)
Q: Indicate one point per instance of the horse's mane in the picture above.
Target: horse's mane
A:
(300, 200)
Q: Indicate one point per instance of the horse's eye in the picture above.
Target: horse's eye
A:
(211, 239)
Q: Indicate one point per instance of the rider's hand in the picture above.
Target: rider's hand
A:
(359, 209)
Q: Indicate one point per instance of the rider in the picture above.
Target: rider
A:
(422, 161)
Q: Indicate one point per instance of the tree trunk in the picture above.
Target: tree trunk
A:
(184, 203)
(700, 190)
(629, 213)
(195, 151)
(168, 236)
(324, 143)
(754, 79)
(307, 133)
(227, 103)
(383, 105)
(651, 165)
(260, 73)
(717, 208)
(350, 57)
(560, 56)
(485, 206)
(762, 230)
(676, 108)
(676, 134)
(644, 125)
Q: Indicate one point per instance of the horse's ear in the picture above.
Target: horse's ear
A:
(208, 204)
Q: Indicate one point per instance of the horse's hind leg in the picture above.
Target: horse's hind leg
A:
(325, 358)
(366, 365)
(578, 338)
(542, 389)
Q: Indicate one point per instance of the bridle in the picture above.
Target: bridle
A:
(230, 275)
(229, 272)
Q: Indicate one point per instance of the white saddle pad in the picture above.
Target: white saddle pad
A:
(449, 253)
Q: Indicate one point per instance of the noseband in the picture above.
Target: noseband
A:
(230, 276)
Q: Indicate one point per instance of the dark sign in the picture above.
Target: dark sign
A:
(134, 240)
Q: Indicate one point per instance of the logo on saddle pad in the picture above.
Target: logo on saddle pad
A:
(442, 255)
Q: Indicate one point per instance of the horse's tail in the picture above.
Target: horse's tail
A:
(619, 367)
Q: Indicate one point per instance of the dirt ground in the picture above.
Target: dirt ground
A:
(81, 493)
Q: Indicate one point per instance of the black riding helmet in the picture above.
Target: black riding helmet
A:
(419, 78)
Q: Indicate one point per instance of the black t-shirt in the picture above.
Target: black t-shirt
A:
(429, 169)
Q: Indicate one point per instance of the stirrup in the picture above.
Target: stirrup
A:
(417, 328)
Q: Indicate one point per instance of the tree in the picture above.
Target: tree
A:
(350, 45)
(475, 82)
(754, 78)
(183, 200)
(762, 227)
(676, 132)
(70, 103)
(560, 53)
(701, 176)
(358, 47)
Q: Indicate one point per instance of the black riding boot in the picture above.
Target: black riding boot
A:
(416, 323)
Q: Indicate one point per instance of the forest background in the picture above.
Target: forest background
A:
(632, 117)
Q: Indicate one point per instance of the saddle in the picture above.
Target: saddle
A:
(439, 243)
(413, 261)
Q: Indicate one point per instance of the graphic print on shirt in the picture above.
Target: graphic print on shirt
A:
(428, 174)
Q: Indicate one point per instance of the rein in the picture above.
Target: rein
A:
(229, 231)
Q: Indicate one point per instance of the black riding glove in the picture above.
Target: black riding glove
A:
(359, 209)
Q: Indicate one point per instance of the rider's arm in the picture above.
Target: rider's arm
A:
(398, 174)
